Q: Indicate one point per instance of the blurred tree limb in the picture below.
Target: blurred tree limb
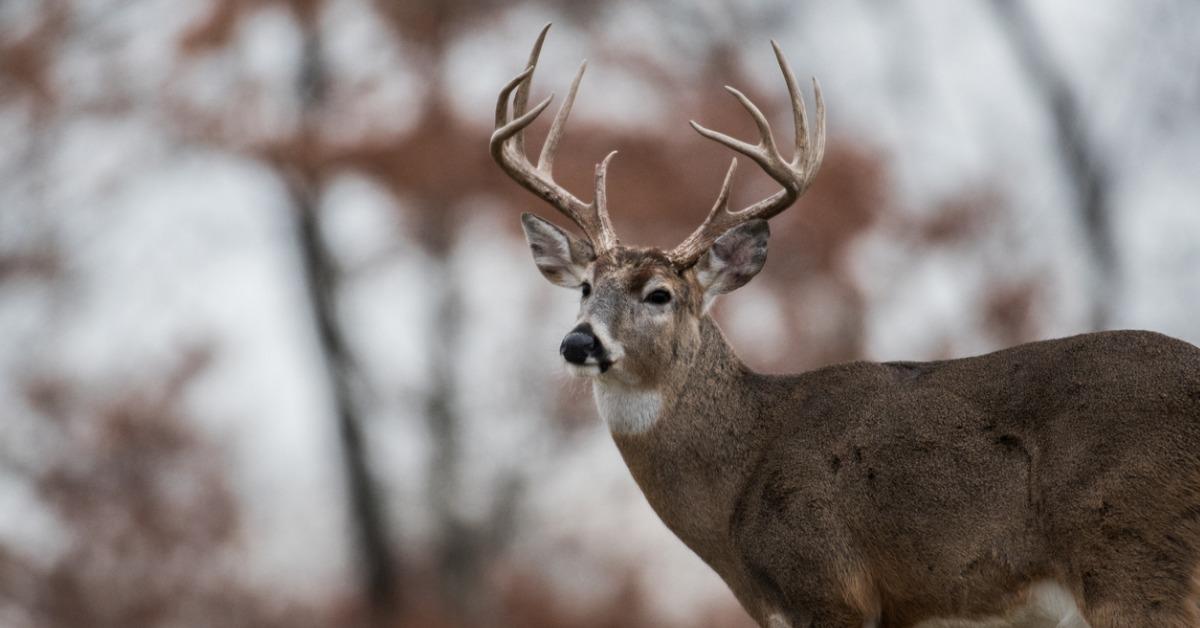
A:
(1084, 165)
(322, 281)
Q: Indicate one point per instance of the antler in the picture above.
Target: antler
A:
(508, 149)
(794, 175)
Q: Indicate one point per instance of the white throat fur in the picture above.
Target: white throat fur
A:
(627, 410)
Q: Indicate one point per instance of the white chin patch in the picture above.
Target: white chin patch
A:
(583, 370)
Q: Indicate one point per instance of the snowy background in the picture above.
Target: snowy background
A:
(272, 350)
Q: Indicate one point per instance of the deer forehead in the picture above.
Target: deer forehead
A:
(633, 270)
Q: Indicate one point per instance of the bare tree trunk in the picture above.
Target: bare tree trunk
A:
(1080, 158)
(456, 552)
(462, 548)
(322, 278)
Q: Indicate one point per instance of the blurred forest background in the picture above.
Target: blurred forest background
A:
(274, 353)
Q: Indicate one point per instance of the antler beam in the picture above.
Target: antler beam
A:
(795, 175)
(508, 149)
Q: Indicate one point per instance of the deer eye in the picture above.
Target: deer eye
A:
(659, 297)
(586, 288)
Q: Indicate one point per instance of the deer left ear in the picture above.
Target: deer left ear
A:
(561, 257)
(733, 260)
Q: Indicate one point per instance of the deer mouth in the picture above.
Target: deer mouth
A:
(592, 368)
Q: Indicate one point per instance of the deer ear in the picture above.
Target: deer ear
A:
(733, 260)
(560, 256)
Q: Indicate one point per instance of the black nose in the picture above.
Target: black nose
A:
(579, 344)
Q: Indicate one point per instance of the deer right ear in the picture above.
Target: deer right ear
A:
(561, 257)
(733, 260)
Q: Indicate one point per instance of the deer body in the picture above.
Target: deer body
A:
(1055, 483)
(917, 491)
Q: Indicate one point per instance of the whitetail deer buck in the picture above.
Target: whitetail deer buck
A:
(1053, 483)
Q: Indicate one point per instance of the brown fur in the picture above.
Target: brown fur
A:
(952, 483)
(883, 493)
(649, 339)
(908, 491)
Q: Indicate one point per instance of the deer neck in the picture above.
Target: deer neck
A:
(687, 442)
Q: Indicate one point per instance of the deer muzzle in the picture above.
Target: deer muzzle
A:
(582, 347)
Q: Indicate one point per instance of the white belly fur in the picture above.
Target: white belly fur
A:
(1048, 605)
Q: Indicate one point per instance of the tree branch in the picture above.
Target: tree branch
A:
(1085, 169)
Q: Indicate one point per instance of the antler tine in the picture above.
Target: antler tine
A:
(719, 210)
(607, 233)
(507, 147)
(522, 97)
(799, 112)
(766, 144)
(505, 92)
(550, 147)
(815, 157)
(516, 128)
(794, 175)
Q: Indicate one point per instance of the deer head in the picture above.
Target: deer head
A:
(640, 307)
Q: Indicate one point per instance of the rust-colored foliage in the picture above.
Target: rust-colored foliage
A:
(1009, 311)
(42, 263)
(432, 24)
(24, 62)
(960, 219)
(218, 25)
(524, 602)
(153, 532)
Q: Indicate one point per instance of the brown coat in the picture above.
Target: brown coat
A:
(904, 491)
